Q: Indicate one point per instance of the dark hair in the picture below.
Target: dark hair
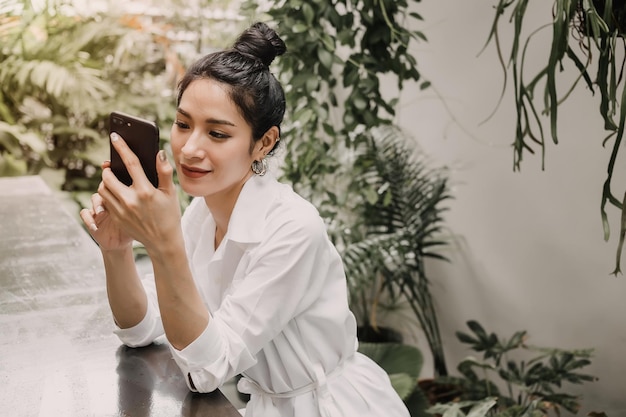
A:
(245, 69)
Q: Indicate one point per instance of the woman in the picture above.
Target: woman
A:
(248, 281)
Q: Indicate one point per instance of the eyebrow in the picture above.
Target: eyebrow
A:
(209, 120)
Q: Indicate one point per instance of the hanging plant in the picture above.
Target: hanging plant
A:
(583, 32)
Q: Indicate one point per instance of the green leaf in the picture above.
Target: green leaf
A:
(465, 338)
(404, 384)
(473, 362)
(299, 28)
(10, 166)
(24, 137)
(477, 329)
(482, 408)
(308, 12)
(394, 358)
(312, 85)
(325, 57)
(370, 195)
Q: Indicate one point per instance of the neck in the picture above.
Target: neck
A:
(221, 206)
(221, 216)
(219, 235)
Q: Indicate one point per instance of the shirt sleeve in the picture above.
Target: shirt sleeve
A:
(285, 274)
(214, 357)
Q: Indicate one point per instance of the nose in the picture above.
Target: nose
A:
(192, 148)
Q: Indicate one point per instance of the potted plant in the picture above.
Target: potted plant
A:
(584, 32)
(513, 378)
(394, 231)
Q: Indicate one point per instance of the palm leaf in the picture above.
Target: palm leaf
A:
(400, 227)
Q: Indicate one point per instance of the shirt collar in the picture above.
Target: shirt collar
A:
(253, 204)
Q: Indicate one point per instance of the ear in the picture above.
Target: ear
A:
(268, 141)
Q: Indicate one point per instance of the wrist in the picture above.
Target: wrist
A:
(166, 248)
(117, 252)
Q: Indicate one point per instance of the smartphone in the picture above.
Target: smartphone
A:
(142, 137)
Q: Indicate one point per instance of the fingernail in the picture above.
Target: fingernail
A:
(99, 209)
(93, 227)
(114, 136)
(162, 156)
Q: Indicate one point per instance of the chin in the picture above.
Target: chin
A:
(191, 189)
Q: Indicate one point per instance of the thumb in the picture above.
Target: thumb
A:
(164, 172)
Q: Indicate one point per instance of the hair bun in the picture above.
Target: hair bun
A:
(260, 41)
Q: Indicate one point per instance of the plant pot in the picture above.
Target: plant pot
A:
(439, 392)
(378, 334)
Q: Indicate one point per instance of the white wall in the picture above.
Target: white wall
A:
(528, 250)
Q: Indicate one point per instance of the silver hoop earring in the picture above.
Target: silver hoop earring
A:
(259, 167)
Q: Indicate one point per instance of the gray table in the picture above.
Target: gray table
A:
(58, 356)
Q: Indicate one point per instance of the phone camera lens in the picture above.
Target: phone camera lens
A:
(117, 121)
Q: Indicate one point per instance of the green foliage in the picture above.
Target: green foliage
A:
(582, 30)
(526, 381)
(61, 75)
(337, 54)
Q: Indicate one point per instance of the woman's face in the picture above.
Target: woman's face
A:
(211, 143)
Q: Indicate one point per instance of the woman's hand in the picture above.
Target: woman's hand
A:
(144, 213)
(101, 226)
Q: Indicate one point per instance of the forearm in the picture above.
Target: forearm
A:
(127, 297)
(183, 313)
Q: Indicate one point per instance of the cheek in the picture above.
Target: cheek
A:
(176, 141)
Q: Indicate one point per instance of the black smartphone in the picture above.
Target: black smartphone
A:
(142, 137)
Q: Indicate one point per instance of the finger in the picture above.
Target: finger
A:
(111, 191)
(130, 160)
(97, 204)
(106, 164)
(87, 218)
(110, 185)
(165, 171)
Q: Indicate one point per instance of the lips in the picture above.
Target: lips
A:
(193, 172)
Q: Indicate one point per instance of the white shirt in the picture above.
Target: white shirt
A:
(277, 297)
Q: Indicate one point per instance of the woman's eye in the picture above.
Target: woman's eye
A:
(181, 125)
(218, 135)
